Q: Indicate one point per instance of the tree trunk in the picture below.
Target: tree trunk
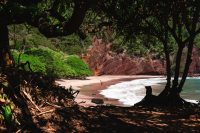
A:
(168, 68)
(174, 89)
(5, 55)
(187, 64)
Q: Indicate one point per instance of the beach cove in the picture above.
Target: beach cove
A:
(91, 87)
(123, 90)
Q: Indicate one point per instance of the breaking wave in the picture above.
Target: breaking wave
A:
(131, 92)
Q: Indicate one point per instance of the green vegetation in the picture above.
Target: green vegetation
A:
(78, 65)
(24, 37)
(6, 108)
(36, 48)
(71, 44)
(100, 25)
(150, 46)
(53, 57)
(36, 64)
(52, 63)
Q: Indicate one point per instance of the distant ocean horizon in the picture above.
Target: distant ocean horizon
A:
(131, 92)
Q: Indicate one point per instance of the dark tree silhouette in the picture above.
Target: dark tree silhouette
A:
(179, 20)
(39, 13)
(162, 19)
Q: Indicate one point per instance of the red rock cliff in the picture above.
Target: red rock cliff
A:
(102, 61)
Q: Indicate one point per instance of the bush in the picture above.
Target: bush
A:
(79, 65)
(58, 64)
(35, 63)
(62, 70)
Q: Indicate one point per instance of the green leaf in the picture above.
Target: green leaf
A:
(5, 84)
(7, 114)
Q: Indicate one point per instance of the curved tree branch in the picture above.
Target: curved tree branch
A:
(16, 14)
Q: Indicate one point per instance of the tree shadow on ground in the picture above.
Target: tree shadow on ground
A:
(121, 119)
(50, 108)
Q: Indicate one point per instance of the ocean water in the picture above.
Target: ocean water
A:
(131, 92)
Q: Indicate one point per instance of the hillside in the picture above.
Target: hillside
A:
(55, 57)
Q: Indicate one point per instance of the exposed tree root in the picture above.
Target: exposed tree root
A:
(169, 100)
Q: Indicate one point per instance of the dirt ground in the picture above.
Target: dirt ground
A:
(103, 119)
(73, 118)
(45, 107)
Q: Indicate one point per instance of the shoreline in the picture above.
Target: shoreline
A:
(90, 87)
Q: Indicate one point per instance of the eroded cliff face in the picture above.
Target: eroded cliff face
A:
(104, 62)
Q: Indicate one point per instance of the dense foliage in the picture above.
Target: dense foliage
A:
(47, 55)
(36, 64)
(52, 63)
(23, 37)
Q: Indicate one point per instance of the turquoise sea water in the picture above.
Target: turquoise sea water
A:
(191, 89)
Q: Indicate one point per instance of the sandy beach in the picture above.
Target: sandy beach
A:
(91, 86)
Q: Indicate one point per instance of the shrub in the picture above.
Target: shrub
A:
(6, 108)
(78, 65)
(35, 63)
(58, 64)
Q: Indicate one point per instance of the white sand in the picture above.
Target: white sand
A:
(76, 84)
(85, 100)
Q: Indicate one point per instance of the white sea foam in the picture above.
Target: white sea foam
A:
(193, 77)
(192, 101)
(130, 92)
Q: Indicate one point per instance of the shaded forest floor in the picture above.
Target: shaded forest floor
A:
(50, 108)
(114, 119)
